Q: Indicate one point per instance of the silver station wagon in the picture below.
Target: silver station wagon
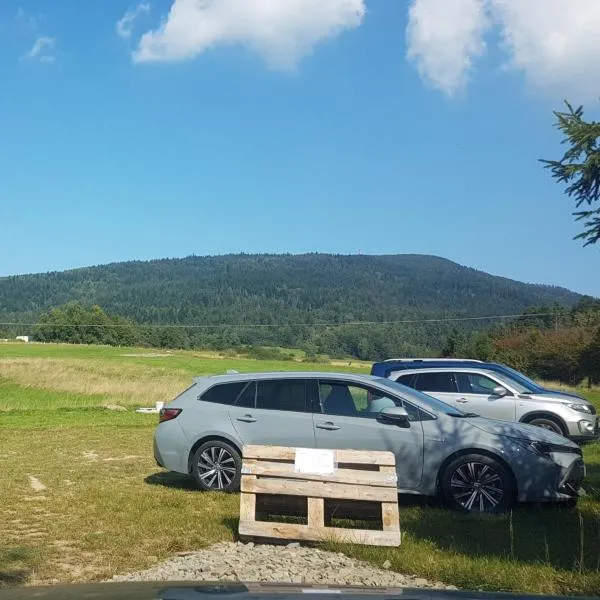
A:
(473, 463)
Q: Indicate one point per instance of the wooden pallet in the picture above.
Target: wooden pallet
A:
(270, 470)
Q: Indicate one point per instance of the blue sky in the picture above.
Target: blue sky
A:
(330, 129)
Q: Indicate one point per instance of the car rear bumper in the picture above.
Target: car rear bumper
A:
(169, 447)
(157, 456)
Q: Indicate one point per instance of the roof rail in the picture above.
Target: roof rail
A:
(473, 360)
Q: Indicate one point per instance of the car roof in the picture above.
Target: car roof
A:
(384, 368)
(233, 377)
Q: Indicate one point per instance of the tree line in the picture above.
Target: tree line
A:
(546, 342)
(563, 345)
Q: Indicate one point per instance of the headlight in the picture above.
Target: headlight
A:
(546, 449)
(584, 408)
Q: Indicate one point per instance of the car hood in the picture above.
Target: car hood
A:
(520, 431)
(239, 591)
(557, 397)
(553, 394)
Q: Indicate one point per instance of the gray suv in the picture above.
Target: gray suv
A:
(475, 464)
(496, 395)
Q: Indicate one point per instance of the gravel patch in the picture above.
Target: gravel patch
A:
(279, 564)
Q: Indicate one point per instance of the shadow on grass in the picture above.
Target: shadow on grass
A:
(592, 480)
(16, 565)
(232, 523)
(172, 480)
(530, 535)
(560, 538)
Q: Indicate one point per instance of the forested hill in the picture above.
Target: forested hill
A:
(281, 289)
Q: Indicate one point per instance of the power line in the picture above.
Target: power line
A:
(279, 325)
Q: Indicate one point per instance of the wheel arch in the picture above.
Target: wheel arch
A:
(211, 438)
(544, 414)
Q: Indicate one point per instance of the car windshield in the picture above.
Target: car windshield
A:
(528, 384)
(428, 401)
(515, 383)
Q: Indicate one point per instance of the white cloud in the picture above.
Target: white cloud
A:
(43, 49)
(125, 24)
(443, 38)
(554, 43)
(282, 32)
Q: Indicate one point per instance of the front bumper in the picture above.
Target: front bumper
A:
(552, 480)
(572, 480)
(585, 430)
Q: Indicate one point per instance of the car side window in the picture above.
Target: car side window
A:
(349, 400)
(284, 394)
(474, 383)
(407, 380)
(247, 399)
(414, 414)
(224, 393)
(442, 381)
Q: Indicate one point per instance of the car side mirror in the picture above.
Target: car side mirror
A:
(500, 391)
(396, 415)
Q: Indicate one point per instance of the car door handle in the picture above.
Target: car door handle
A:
(462, 400)
(329, 425)
(246, 419)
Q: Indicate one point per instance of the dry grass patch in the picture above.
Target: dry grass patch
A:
(127, 384)
(82, 499)
(105, 508)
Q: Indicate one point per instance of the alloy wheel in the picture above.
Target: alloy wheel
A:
(216, 467)
(477, 487)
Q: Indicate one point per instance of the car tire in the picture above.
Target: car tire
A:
(217, 467)
(477, 483)
(547, 423)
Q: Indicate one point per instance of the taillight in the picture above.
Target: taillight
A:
(166, 414)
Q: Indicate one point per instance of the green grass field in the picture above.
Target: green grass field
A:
(82, 498)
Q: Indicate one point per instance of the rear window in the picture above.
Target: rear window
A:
(224, 393)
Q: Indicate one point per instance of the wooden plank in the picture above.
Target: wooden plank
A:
(247, 507)
(318, 534)
(389, 516)
(357, 457)
(319, 489)
(248, 501)
(316, 512)
(354, 476)
(389, 510)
